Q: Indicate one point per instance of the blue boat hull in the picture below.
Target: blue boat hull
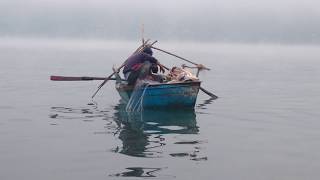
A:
(182, 94)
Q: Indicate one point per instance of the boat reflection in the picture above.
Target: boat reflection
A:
(138, 172)
(142, 133)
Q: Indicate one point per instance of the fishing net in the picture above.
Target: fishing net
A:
(135, 103)
(180, 75)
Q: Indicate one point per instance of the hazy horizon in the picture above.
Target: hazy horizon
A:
(214, 21)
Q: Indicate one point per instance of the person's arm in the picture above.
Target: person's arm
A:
(162, 69)
(149, 58)
(154, 61)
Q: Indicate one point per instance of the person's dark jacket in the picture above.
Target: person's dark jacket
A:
(138, 59)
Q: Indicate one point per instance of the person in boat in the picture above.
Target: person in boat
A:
(140, 65)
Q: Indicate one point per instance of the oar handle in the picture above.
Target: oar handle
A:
(81, 78)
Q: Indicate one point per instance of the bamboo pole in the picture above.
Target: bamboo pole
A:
(199, 66)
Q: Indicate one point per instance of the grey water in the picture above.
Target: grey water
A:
(264, 125)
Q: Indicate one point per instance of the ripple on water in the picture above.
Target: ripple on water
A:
(6, 107)
(78, 113)
(20, 120)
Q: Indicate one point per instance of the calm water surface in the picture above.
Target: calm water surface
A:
(265, 125)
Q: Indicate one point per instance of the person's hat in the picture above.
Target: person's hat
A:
(148, 50)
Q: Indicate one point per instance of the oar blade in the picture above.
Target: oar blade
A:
(208, 93)
(64, 78)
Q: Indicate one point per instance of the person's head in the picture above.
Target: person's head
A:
(147, 50)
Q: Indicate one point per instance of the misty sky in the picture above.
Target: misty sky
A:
(289, 21)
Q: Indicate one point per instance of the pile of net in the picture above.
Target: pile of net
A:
(177, 74)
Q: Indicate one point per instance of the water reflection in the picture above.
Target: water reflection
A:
(205, 103)
(138, 172)
(144, 132)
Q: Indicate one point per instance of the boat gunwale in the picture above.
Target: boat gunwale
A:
(175, 85)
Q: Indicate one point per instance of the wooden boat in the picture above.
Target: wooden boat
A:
(161, 95)
(180, 90)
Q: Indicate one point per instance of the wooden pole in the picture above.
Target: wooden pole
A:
(142, 33)
(200, 66)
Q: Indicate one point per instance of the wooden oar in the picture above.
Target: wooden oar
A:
(118, 69)
(73, 78)
(208, 93)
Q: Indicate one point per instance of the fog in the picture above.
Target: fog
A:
(279, 21)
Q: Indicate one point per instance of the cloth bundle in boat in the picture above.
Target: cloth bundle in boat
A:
(181, 75)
